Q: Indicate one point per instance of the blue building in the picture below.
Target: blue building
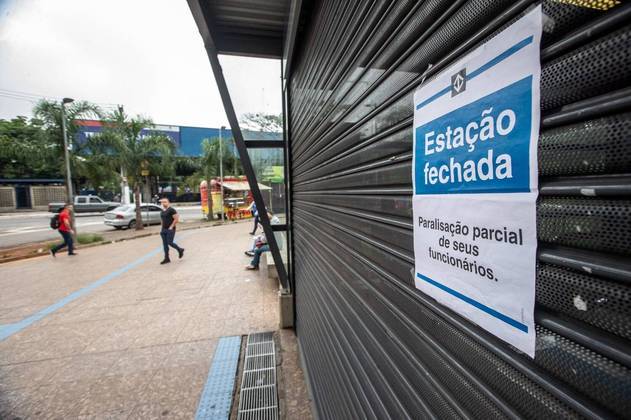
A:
(188, 139)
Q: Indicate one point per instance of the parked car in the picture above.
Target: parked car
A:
(86, 204)
(125, 216)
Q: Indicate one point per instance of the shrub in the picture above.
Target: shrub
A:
(88, 238)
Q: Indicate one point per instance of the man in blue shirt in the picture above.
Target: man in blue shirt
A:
(255, 213)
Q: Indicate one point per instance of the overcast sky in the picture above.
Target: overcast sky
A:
(144, 54)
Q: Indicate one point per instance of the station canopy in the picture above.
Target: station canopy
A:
(253, 28)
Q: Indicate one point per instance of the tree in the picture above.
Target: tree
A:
(269, 123)
(209, 167)
(129, 144)
(82, 162)
(26, 152)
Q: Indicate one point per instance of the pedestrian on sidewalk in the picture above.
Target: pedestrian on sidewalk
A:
(66, 232)
(170, 219)
(255, 213)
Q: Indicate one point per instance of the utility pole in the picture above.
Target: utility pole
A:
(221, 170)
(124, 183)
(69, 193)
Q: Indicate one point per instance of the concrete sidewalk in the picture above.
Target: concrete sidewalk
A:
(126, 337)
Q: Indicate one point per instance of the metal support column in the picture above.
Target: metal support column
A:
(211, 50)
(288, 193)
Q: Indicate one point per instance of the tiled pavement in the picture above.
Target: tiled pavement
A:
(138, 346)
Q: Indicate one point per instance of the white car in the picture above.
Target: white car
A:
(125, 216)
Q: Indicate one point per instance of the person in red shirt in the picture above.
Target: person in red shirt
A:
(65, 229)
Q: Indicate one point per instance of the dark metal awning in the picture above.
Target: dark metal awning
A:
(253, 28)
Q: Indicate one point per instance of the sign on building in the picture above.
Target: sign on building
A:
(476, 126)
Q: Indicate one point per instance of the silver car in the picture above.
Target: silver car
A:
(125, 216)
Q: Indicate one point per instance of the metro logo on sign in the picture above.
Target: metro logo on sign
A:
(459, 82)
(475, 175)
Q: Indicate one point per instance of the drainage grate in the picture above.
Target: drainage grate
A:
(260, 362)
(260, 349)
(265, 337)
(258, 399)
(259, 413)
(261, 377)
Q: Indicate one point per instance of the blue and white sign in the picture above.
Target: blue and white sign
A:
(476, 126)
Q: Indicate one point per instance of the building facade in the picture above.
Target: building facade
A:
(187, 139)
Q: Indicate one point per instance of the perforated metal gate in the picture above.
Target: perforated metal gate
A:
(374, 346)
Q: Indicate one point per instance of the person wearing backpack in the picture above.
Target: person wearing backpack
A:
(65, 230)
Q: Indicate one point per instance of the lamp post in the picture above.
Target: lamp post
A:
(69, 197)
(69, 194)
(124, 183)
(221, 170)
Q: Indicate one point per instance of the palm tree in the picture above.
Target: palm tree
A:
(49, 115)
(209, 167)
(133, 149)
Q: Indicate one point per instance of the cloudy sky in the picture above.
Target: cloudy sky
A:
(144, 54)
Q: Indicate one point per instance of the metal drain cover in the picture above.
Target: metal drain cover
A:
(258, 399)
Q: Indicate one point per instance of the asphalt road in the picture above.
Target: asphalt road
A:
(22, 228)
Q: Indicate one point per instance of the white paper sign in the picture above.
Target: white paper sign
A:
(475, 173)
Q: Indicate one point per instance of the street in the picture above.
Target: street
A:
(23, 228)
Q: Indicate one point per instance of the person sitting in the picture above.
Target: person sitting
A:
(261, 238)
(260, 245)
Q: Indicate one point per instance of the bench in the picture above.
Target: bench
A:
(285, 298)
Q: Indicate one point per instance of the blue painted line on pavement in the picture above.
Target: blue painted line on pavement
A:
(9, 329)
(216, 399)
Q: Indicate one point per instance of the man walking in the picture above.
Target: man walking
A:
(255, 213)
(66, 232)
(170, 218)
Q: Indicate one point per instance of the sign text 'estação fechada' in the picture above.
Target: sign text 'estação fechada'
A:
(476, 126)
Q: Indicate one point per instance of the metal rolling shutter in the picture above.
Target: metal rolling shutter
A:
(373, 345)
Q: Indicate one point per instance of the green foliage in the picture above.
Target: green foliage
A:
(88, 238)
(122, 144)
(85, 165)
(82, 238)
(186, 166)
(25, 151)
(34, 149)
(209, 160)
(49, 113)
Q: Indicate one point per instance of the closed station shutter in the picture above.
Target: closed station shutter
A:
(373, 345)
